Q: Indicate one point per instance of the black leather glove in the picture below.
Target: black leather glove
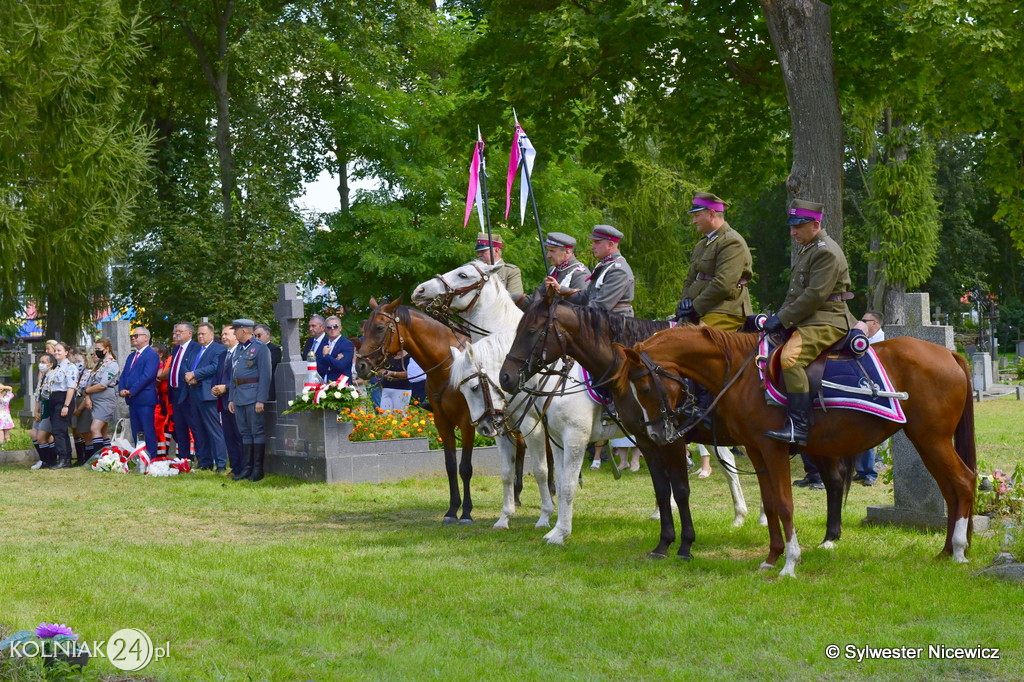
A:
(686, 313)
(773, 325)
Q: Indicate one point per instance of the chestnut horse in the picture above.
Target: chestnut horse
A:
(939, 412)
(392, 327)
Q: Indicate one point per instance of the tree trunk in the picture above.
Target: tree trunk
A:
(876, 276)
(895, 308)
(343, 190)
(801, 33)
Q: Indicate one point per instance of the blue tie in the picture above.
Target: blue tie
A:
(202, 349)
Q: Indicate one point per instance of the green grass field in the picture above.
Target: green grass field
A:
(289, 581)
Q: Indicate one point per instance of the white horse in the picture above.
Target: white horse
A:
(570, 419)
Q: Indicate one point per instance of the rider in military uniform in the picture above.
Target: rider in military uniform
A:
(564, 267)
(610, 285)
(509, 274)
(815, 309)
(715, 289)
(247, 394)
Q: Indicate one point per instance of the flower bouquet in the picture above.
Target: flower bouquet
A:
(334, 395)
(112, 460)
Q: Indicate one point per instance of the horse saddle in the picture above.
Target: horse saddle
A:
(846, 375)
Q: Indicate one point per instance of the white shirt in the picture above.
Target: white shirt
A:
(415, 372)
(879, 336)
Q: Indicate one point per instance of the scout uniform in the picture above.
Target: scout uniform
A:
(720, 268)
(509, 274)
(572, 273)
(610, 286)
(250, 384)
(815, 309)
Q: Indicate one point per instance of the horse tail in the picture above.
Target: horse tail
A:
(963, 438)
(847, 466)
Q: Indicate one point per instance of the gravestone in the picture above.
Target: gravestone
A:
(917, 499)
(981, 364)
(1020, 349)
(118, 332)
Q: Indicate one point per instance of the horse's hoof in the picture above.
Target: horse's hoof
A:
(658, 554)
(543, 523)
(684, 557)
(501, 524)
(827, 544)
(449, 520)
(465, 522)
(765, 566)
(656, 516)
(738, 521)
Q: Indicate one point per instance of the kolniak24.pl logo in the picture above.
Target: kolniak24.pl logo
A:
(129, 649)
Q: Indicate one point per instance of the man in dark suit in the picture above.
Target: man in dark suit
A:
(138, 387)
(262, 332)
(317, 324)
(336, 354)
(186, 413)
(232, 437)
(201, 379)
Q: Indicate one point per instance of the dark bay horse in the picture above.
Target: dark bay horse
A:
(392, 327)
(939, 413)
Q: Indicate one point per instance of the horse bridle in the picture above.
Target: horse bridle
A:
(687, 407)
(486, 384)
(392, 328)
(440, 307)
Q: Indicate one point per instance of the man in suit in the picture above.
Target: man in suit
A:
(138, 387)
(186, 413)
(317, 325)
(201, 377)
(336, 354)
(232, 438)
(262, 332)
(247, 395)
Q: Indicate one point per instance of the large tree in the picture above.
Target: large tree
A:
(72, 156)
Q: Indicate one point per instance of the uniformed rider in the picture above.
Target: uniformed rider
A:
(715, 290)
(815, 309)
(568, 271)
(610, 285)
(509, 274)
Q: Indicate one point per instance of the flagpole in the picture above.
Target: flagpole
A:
(483, 191)
(533, 202)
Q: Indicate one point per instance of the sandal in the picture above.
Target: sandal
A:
(703, 474)
(596, 464)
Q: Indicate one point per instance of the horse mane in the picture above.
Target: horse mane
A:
(597, 324)
(488, 353)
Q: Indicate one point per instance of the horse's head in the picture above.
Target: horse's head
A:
(485, 400)
(661, 393)
(382, 339)
(539, 342)
(456, 290)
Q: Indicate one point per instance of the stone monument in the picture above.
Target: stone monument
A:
(917, 499)
(118, 331)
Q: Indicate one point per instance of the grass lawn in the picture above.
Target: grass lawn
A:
(289, 581)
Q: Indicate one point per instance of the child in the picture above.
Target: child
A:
(6, 423)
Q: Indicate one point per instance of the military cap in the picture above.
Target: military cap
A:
(559, 239)
(804, 212)
(243, 322)
(483, 243)
(605, 232)
(706, 200)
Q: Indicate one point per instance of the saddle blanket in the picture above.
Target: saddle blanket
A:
(584, 377)
(846, 373)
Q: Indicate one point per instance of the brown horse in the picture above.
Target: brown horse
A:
(940, 409)
(393, 327)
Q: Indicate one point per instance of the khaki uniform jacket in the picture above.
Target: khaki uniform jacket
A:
(820, 271)
(725, 258)
(511, 277)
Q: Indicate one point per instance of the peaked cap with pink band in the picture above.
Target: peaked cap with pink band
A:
(704, 200)
(804, 212)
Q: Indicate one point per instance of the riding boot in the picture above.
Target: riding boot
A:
(260, 451)
(796, 427)
(703, 399)
(247, 450)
